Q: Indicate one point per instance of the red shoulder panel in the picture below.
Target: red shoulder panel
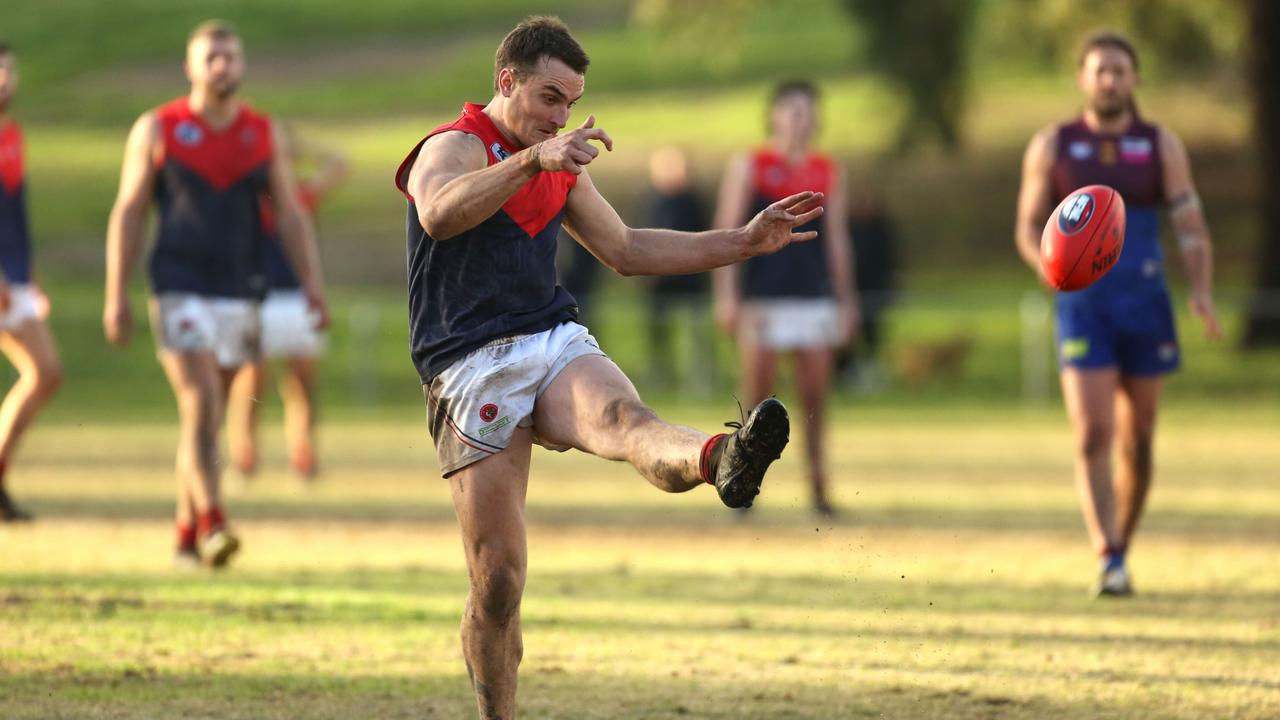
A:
(220, 157)
(12, 169)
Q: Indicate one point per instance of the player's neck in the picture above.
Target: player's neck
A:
(494, 111)
(218, 113)
(1108, 125)
(795, 151)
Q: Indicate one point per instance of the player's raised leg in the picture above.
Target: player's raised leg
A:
(489, 498)
(31, 349)
(593, 407)
(1136, 407)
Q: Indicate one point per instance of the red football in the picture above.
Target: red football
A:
(1083, 238)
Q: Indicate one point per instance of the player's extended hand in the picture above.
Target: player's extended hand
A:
(771, 230)
(117, 322)
(1202, 305)
(318, 308)
(572, 151)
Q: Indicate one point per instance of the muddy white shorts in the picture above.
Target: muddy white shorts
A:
(230, 328)
(288, 326)
(475, 405)
(24, 305)
(791, 323)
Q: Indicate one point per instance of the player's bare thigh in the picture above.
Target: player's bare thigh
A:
(588, 406)
(488, 498)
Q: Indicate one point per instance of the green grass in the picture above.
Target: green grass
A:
(954, 585)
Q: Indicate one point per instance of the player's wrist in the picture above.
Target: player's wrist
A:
(533, 159)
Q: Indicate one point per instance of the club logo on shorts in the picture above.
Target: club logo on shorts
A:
(188, 133)
(1075, 214)
(489, 412)
(499, 152)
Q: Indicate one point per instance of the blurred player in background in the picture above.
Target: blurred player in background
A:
(1116, 339)
(800, 300)
(672, 203)
(503, 362)
(289, 334)
(206, 160)
(24, 336)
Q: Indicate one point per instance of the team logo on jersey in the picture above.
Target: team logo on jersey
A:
(1107, 153)
(188, 133)
(248, 136)
(1075, 214)
(1135, 150)
(499, 152)
(1080, 149)
(489, 412)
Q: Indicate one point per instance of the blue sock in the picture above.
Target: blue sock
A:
(1113, 559)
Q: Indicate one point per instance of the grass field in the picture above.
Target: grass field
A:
(953, 586)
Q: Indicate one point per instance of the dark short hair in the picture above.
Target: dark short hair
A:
(536, 37)
(1109, 39)
(788, 88)
(214, 30)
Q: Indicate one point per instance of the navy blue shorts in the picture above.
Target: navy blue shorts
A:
(1136, 335)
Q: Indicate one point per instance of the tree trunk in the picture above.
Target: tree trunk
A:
(1262, 324)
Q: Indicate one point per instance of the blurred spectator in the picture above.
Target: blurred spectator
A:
(876, 271)
(672, 203)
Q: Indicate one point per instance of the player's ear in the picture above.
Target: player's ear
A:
(506, 81)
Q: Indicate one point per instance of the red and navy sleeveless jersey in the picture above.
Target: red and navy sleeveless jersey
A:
(1130, 163)
(15, 238)
(798, 270)
(494, 280)
(208, 188)
(279, 270)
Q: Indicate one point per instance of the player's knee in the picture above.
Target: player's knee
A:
(1094, 440)
(625, 413)
(497, 591)
(48, 379)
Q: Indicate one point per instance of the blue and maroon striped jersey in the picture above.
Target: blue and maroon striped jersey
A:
(1130, 163)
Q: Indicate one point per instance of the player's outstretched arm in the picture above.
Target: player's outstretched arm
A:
(1035, 201)
(125, 226)
(595, 224)
(1191, 229)
(297, 236)
(455, 191)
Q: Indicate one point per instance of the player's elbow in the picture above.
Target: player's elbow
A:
(435, 224)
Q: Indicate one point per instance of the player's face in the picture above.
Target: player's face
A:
(1107, 79)
(794, 118)
(8, 80)
(216, 65)
(541, 101)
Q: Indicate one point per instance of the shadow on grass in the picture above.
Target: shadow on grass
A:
(692, 514)
(547, 692)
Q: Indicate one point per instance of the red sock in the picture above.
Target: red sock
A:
(186, 536)
(210, 519)
(704, 458)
